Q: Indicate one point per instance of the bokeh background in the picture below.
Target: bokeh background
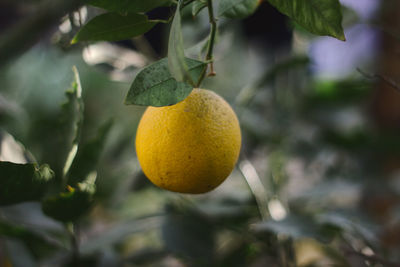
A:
(318, 179)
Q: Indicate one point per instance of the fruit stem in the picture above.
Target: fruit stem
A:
(211, 41)
(213, 30)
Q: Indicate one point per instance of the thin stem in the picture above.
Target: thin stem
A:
(213, 31)
(383, 78)
(211, 41)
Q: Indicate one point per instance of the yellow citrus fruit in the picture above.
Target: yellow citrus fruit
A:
(189, 147)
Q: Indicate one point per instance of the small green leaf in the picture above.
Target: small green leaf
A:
(133, 6)
(198, 6)
(176, 56)
(23, 182)
(237, 9)
(155, 86)
(71, 205)
(321, 17)
(88, 156)
(72, 121)
(114, 27)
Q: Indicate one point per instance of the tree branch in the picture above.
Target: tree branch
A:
(383, 78)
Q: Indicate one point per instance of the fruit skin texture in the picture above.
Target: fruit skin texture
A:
(189, 147)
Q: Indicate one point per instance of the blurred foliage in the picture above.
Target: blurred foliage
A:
(23, 182)
(328, 177)
(69, 206)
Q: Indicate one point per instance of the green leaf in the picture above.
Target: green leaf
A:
(176, 56)
(321, 17)
(71, 205)
(71, 122)
(23, 182)
(155, 86)
(88, 156)
(198, 6)
(133, 6)
(237, 9)
(114, 27)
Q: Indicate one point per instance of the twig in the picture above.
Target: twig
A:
(383, 78)
(213, 32)
(211, 41)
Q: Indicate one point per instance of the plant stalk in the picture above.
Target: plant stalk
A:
(211, 41)
(213, 32)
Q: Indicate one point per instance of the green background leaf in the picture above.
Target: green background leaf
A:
(237, 8)
(321, 17)
(114, 27)
(88, 156)
(69, 206)
(23, 182)
(198, 6)
(134, 6)
(176, 56)
(71, 121)
(155, 86)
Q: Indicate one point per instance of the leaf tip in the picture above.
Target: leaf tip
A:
(74, 40)
(128, 102)
(340, 36)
